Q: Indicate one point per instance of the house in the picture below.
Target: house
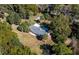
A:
(37, 30)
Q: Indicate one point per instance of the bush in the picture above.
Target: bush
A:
(13, 18)
(24, 27)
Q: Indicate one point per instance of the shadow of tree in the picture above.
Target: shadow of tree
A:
(47, 49)
(53, 38)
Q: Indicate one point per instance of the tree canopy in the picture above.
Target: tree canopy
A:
(9, 42)
(24, 27)
(60, 27)
(61, 49)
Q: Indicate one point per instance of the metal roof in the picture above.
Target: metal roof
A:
(37, 30)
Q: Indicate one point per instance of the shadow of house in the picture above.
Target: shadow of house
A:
(39, 37)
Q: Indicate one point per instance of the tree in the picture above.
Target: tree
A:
(24, 27)
(31, 7)
(19, 9)
(61, 49)
(56, 7)
(75, 9)
(13, 18)
(60, 27)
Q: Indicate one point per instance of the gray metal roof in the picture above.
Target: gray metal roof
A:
(37, 30)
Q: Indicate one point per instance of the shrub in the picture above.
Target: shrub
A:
(23, 27)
